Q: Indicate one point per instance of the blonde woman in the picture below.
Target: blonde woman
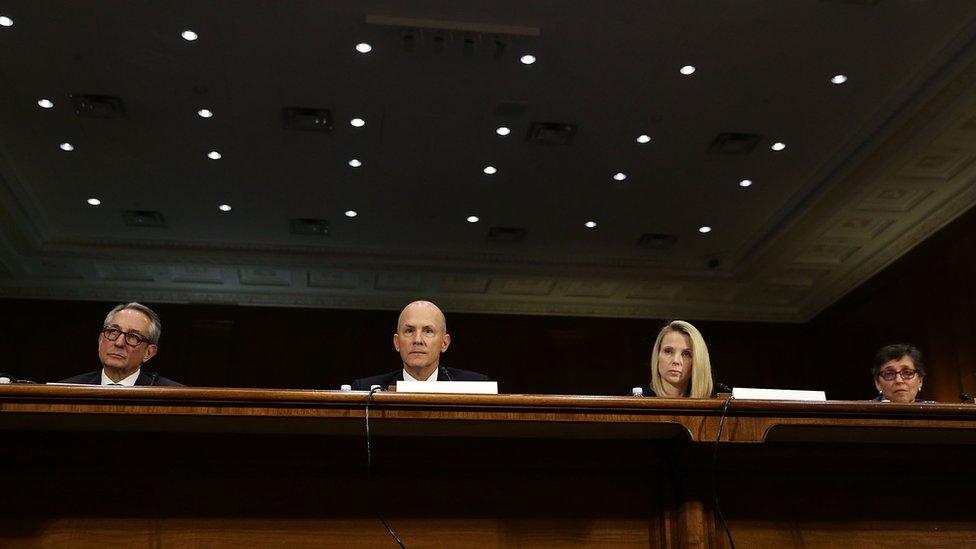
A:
(679, 363)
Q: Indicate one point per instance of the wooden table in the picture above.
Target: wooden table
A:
(198, 467)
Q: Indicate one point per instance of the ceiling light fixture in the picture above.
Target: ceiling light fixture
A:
(355, 163)
(205, 113)
(67, 147)
(619, 176)
(473, 219)
(213, 155)
(189, 35)
(45, 104)
(6, 21)
(357, 122)
(503, 131)
(351, 213)
(590, 224)
(94, 202)
(687, 70)
(643, 138)
(527, 59)
(705, 229)
(745, 183)
(224, 207)
(838, 79)
(363, 47)
(490, 170)
(778, 146)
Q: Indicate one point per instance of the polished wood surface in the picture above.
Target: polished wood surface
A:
(198, 467)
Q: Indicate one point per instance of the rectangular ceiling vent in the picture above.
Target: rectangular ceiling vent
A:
(657, 241)
(466, 37)
(143, 218)
(506, 234)
(306, 119)
(317, 227)
(734, 143)
(551, 133)
(97, 106)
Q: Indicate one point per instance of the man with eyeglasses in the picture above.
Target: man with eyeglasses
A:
(898, 373)
(129, 338)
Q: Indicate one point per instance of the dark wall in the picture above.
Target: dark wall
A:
(926, 297)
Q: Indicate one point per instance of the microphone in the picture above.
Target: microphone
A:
(446, 374)
(722, 388)
(10, 378)
(966, 397)
(152, 378)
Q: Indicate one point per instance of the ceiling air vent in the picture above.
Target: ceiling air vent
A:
(318, 227)
(97, 106)
(511, 108)
(305, 119)
(734, 143)
(657, 241)
(551, 133)
(143, 218)
(506, 234)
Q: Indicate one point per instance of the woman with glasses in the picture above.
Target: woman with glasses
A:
(680, 366)
(898, 373)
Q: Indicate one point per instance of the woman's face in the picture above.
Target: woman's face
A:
(674, 363)
(899, 389)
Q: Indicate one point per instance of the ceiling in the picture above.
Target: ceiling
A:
(871, 168)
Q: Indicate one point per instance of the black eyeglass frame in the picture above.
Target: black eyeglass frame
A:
(905, 375)
(132, 339)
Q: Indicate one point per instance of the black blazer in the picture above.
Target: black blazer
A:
(144, 379)
(385, 380)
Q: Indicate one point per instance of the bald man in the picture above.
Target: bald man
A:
(421, 338)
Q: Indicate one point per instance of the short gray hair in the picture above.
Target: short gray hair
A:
(155, 325)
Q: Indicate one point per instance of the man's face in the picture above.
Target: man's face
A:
(899, 389)
(119, 354)
(421, 336)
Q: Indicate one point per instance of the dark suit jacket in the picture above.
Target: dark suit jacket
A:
(144, 379)
(385, 380)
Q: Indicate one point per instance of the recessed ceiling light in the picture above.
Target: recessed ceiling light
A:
(67, 147)
(189, 35)
(619, 176)
(838, 79)
(205, 113)
(363, 47)
(745, 183)
(357, 122)
(355, 163)
(6, 21)
(704, 229)
(527, 59)
(94, 201)
(778, 146)
(213, 155)
(687, 70)
(643, 138)
(473, 219)
(45, 104)
(224, 207)
(590, 224)
(351, 213)
(503, 131)
(490, 170)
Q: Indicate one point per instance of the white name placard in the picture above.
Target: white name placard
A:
(746, 393)
(463, 387)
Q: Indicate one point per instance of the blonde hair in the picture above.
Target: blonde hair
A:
(701, 366)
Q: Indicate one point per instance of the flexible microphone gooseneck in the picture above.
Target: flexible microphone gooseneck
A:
(446, 374)
(152, 379)
(369, 467)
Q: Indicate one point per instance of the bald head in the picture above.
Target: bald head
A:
(423, 307)
(420, 338)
